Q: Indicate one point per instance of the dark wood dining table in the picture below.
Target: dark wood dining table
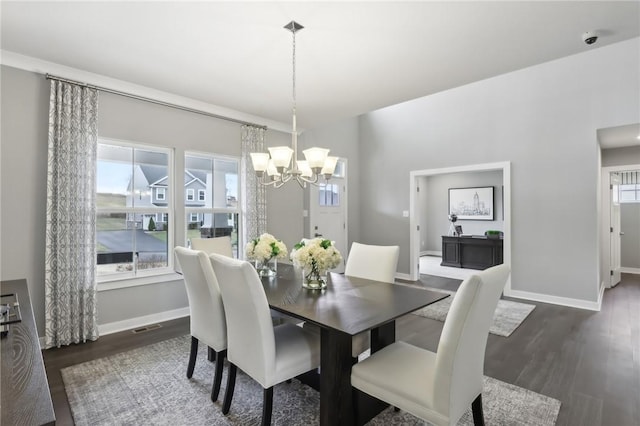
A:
(348, 306)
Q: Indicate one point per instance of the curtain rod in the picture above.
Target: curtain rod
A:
(154, 101)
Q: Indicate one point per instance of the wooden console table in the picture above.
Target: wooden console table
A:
(477, 252)
(26, 399)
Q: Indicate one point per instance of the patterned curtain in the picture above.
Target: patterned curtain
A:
(70, 252)
(254, 202)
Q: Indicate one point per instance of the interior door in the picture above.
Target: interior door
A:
(615, 229)
(327, 212)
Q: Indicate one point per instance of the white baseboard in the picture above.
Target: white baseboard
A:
(128, 324)
(630, 270)
(431, 253)
(557, 300)
(114, 327)
(402, 276)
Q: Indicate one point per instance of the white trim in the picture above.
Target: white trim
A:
(138, 281)
(403, 276)
(131, 323)
(556, 300)
(630, 270)
(128, 324)
(40, 66)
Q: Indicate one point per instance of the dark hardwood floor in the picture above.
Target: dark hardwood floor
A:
(590, 361)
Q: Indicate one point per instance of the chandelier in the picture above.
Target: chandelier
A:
(281, 164)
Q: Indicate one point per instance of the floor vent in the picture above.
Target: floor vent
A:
(146, 328)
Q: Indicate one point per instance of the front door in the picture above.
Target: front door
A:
(328, 211)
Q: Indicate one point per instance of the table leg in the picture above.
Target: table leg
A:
(383, 336)
(336, 406)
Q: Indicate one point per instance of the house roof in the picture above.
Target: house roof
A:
(157, 175)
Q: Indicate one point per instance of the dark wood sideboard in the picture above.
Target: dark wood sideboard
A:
(26, 399)
(474, 252)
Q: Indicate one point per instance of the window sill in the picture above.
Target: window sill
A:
(138, 281)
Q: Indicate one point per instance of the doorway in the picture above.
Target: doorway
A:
(328, 211)
(613, 234)
(415, 213)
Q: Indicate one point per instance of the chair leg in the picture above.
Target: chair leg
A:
(211, 354)
(231, 383)
(476, 408)
(267, 406)
(217, 379)
(192, 356)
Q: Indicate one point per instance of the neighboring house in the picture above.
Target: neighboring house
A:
(149, 187)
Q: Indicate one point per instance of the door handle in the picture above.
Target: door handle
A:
(318, 235)
(621, 233)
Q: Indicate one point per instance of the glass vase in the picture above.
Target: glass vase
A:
(267, 268)
(314, 278)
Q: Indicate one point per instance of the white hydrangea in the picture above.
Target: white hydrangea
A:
(317, 253)
(265, 247)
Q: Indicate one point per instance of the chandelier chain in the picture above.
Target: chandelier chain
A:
(293, 74)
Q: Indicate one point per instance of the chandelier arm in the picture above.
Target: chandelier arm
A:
(313, 180)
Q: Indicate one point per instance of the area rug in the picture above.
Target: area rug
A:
(148, 386)
(507, 317)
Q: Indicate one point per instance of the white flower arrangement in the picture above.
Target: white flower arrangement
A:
(265, 248)
(316, 254)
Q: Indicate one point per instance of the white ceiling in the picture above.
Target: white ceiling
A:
(352, 57)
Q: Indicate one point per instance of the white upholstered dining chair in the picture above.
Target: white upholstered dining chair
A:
(220, 245)
(439, 387)
(372, 262)
(208, 324)
(268, 354)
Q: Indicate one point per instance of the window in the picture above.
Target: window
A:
(190, 194)
(329, 195)
(629, 188)
(219, 208)
(131, 241)
(161, 194)
(630, 193)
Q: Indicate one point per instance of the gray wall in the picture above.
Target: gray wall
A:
(434, 206)
(543, 120)
(25, 104)
(630, 241)
(620, 156)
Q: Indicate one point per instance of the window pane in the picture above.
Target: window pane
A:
(213, 225)
(113, 176)
(128, 242)
(114, 243)
(151, 242)
(214, 180)
(329, 195)
(151, 171)
(198, 177)
(225, 190)
(628, 196)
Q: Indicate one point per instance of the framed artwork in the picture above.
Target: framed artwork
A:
(472, 203)
(458, 230)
